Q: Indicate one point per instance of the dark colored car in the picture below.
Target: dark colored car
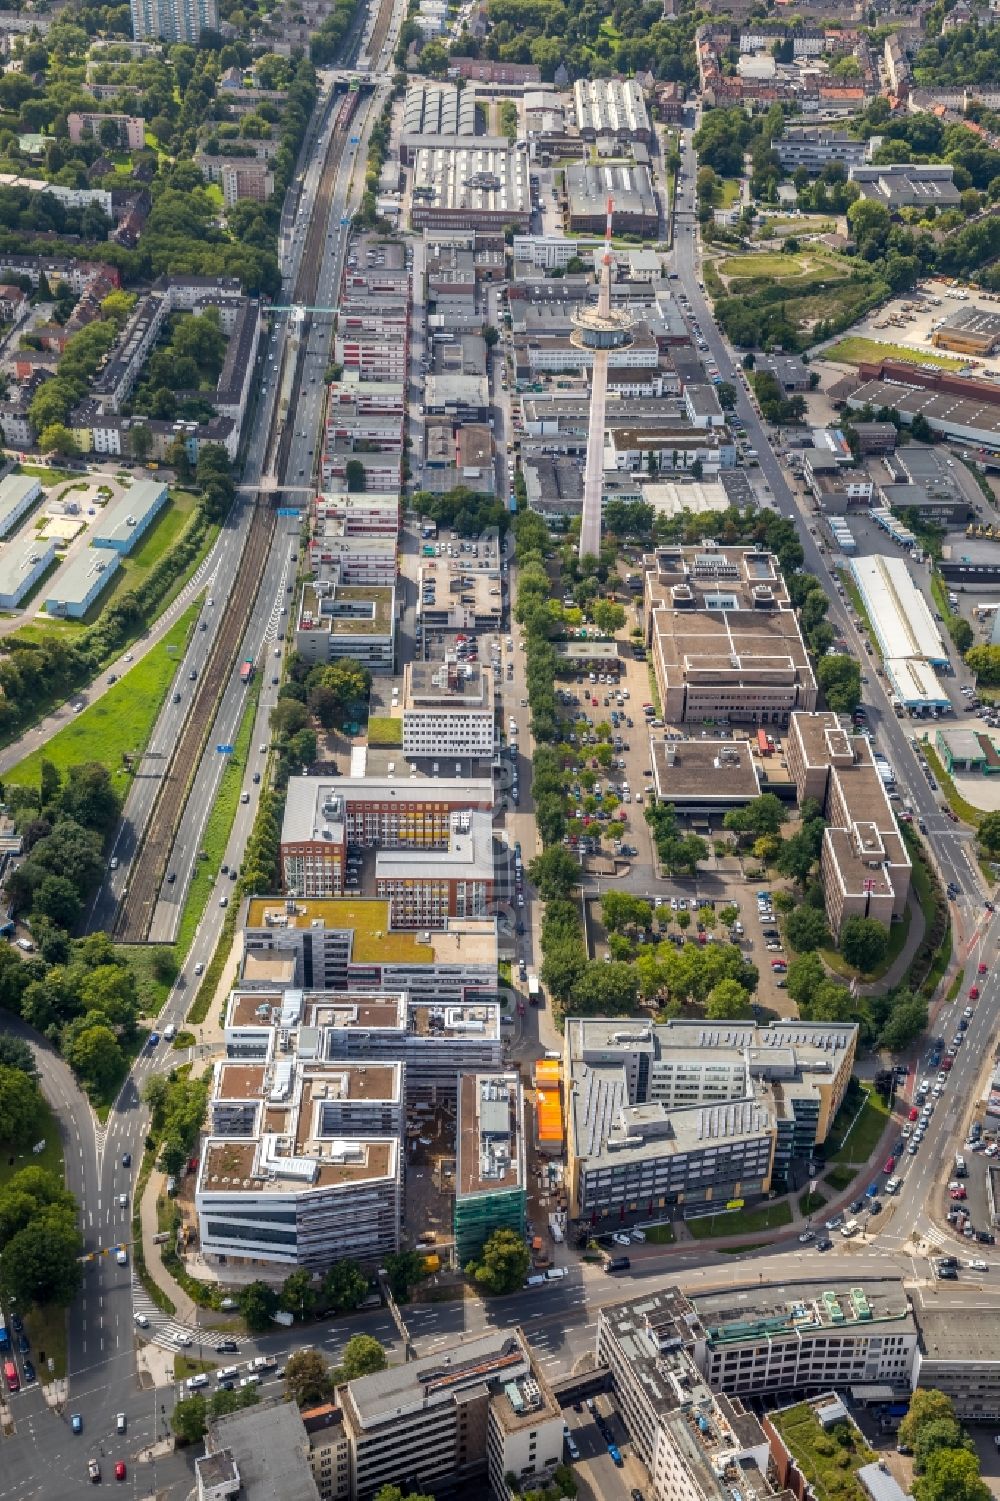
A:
(127, 1159)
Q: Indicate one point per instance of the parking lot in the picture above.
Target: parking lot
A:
(595, 1470)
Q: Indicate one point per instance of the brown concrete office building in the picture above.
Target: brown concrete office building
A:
(725, 640)
(863, 863)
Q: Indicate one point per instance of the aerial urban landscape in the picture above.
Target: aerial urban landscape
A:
(499, 734)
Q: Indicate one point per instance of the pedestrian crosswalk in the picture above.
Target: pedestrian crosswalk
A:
(160, 1329)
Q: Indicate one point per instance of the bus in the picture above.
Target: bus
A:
(10, 1375)
(534, 991)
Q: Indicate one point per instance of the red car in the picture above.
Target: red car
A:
(120, 1470)
(946, 1064)
(914, 1114)
(890, 1163)
(958, 1193)
(973, 992)
(982, 969)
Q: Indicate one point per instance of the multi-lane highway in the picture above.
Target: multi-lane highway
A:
(42, 1456)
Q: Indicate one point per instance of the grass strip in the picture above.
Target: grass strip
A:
(736, 1221)
(119, 723)
(218, 827)
(861, 1133)
(956, 802)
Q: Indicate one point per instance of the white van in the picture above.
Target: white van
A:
(537, 1279)
(637, 1234)
(851, 1228)
(194, 1382)
(228, 1373)
(169, 1033)
(893, 1185)
(556, 1273)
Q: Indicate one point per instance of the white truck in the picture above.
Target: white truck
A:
(851, 1227)
(556, 1229)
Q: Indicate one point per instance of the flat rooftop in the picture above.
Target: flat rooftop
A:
(802, 1308)
(469, 856)
(470, 940)
(705, 770)
(447, 685)
(260, 1166)
(348, 609)
(492, 1359)
(959, 1334)
(314, 804)
(490, 1135)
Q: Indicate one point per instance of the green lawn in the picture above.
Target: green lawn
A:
(383, 730)
(802, 266)
(728, 193)
(51, 1158)
(862, 1140)
(121, 721)
(898, 932)
(660, 1235)
(809, 1203)
(854, 348)
(830, 1460)
(184, 1367)
(218, 827)
(840, 1178)
(742, 1221)
(966, 812)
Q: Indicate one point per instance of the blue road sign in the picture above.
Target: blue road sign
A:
(224, 750)
(289, 511)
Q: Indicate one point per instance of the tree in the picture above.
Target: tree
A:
(728, 1001)
(58, 438)
(56, 898)
(985, 663)
(95, 1054)
(140, 441)
(805, 975)
(362, 1356)
(608, 617)
(951, 1475)
(298, 1295)
(345, 1287)
(404, 1269)
(622, 912)
(554, 872)
(840, 679)
(761, 816)
(41, 1263)
(393, 1493)
(20, 1107)
(16, 1053)
(988, 833)
(189, 1419)
(503, 1265)
(927, 1405)
(863, 943)
(941, 1433)
(806, 930)
(606, 989)
(307, 1377)
(257, 1303)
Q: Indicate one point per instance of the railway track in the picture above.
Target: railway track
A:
(136, 909)
(139, 901)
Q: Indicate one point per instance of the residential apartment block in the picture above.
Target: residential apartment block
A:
(448, 710)
(349, 944)
(174, 20)
(490, 1178)
(686, 1114)
(726, 643)
(864, 864)
(435, 1043)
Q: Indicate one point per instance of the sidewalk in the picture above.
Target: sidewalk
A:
(903, 962)
(187, 1310)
